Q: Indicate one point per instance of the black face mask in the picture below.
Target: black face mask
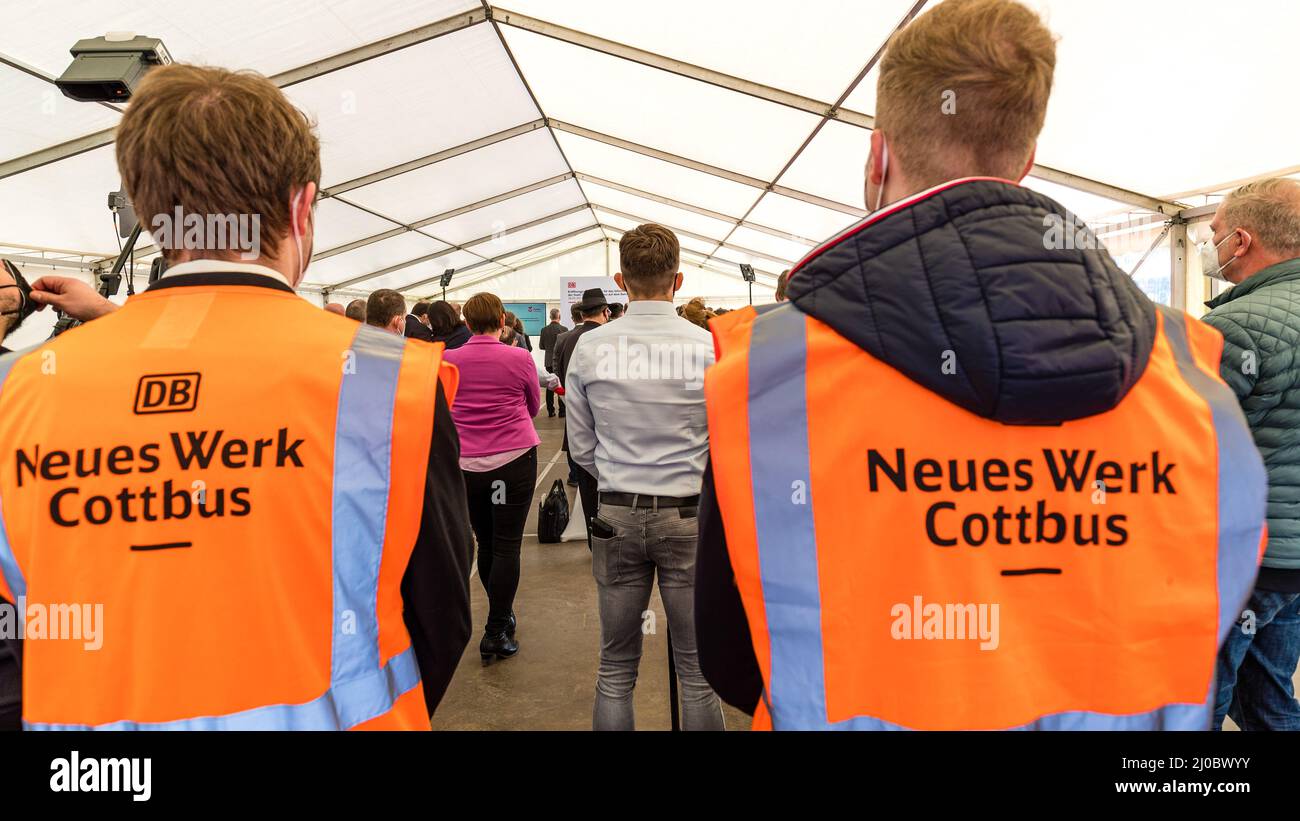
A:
(26, 307)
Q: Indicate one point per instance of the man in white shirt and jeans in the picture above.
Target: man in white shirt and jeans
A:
(636, 421)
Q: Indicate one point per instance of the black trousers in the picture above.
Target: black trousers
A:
(498, 507)
(11, 718)
(588, 490)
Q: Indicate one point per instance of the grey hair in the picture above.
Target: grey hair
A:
(1270, 209)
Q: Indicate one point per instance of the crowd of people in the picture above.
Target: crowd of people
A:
(952, 478)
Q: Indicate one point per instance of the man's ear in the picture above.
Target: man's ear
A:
(677, 283)
(618, 280)
(302, 219)
(875, 157)
(1246, 242)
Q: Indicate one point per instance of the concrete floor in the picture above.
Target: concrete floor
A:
(551, 683)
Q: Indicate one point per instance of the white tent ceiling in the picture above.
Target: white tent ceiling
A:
(513, 144)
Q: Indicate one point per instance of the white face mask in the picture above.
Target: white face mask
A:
(297, 237)
(1209, 252)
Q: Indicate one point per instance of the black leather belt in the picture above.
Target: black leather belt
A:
(645, 500)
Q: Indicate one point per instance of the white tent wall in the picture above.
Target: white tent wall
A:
(751, 146)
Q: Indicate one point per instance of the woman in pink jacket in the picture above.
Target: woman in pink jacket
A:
(495, 404)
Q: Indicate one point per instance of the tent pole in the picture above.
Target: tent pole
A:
(1180, 294)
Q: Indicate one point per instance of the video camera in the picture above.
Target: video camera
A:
(108, 68)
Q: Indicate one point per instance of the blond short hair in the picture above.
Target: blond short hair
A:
(963, 90)
(215, 142)
(1270, 210)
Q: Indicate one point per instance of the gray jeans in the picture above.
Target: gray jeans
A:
(624, 566)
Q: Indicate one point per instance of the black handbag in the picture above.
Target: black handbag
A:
(553, 514)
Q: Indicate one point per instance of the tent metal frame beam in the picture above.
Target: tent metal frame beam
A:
(679, 67)
(445, 215)
(828, 111)
(1200, 213)
(335, 191)
(519, 72)
(47, 250)
(866, 69)
(534, 263)
(50, 262)
(318, 68)
(509, 268)
(695, 209)
(380, 48)
(498, 17)
(451, 246)
(1178, 251)
(696, 165)
(436, 157)
(1289, 171)
(1111, 192)
(501, 16)
(692, 235)
(465, 246)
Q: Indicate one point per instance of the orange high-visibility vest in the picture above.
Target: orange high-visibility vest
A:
(237, 478)
(872, 526)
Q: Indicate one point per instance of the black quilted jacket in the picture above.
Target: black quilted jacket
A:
(1041, 335)
(1260, 323)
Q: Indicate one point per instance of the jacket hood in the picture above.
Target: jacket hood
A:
(1034, 321)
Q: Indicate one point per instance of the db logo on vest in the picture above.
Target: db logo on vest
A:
(167, 393)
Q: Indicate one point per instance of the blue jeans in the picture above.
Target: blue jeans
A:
(624, 565)
(1256, 669)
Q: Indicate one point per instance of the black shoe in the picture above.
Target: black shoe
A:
(550, 414)
(572, 482)
(561, 414)
(510, 628)
(496, 645)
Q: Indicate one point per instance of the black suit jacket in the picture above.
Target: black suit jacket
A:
(416, 329)
(564, 348)
(550, 335)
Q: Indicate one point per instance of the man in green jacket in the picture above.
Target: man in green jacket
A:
(1256, 247)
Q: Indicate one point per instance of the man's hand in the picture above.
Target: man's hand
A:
(72, 296)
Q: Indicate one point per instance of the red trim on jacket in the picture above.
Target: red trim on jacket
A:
(871, 219)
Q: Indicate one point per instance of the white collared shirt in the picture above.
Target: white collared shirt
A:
(634, 398)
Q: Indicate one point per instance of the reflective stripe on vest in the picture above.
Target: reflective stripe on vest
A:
(9, 569)
(359, 688)
(787, 541)
(1238, 501)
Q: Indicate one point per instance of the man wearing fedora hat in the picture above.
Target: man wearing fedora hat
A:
(594, 309)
